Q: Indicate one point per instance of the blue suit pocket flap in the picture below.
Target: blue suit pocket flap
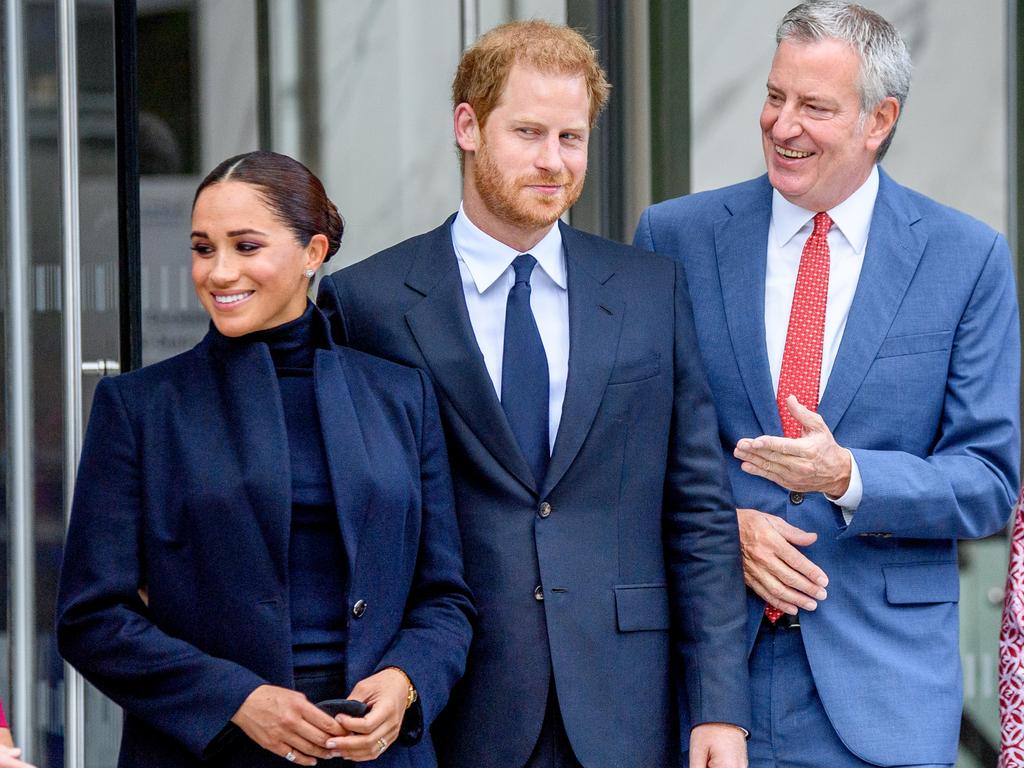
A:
(915, 344)
(641, 607)
(922, 583)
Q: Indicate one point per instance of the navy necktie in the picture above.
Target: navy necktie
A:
(524, 372)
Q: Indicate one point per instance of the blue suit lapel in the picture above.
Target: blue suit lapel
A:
(348, 461)
(893, 251)
(595, 321)
(741, 243)
(441, 327)
(256, 431)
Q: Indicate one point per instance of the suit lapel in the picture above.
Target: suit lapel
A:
(595, 322)
(348, 462)
(741, 242)
(251, 404)
(893, 251)
(441, 327)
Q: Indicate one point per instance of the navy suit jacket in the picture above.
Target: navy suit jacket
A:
(632, 534)
(924, 392)
(184, 492)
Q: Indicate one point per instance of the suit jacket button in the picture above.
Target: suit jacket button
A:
(359, 608)
(545, 509)
(795, 497)
(538, 594)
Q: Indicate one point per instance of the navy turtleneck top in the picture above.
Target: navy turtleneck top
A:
(316, 558)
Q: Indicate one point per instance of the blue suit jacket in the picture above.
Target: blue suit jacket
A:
(638, 558)
(925, 392)
(184, 491)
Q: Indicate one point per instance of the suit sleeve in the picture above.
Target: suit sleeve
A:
(436, 631)
(102, 625)
(965, 488)
(643, 238)
(328, 298)
(702, 542)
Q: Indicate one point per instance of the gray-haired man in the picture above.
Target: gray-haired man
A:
(876, 332)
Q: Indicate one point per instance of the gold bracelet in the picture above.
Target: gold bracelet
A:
(411, 698)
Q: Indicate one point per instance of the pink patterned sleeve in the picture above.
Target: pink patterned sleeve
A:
(1011, 651)
(3, 719)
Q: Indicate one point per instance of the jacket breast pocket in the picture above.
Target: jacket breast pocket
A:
(915, 583)
(641, 607)
(915, 344)
(629, 371)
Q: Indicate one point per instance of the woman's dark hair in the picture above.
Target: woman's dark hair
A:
(290, 190)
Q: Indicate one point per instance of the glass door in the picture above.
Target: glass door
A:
(60, 332)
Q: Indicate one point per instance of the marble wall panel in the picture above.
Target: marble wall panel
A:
(388, 159)
(226, 54)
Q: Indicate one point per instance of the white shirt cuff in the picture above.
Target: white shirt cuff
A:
(850, 500)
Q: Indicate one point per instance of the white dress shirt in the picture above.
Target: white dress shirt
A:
(487, 276)
(788, 231)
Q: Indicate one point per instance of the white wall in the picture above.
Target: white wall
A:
(387, 157)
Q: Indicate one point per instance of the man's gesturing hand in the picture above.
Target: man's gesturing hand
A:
(812, 462)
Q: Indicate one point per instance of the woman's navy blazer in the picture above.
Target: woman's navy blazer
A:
(174, 590)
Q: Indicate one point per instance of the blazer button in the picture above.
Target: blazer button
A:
(359, 608)
(545, 509)
(796, 498)
(538, 594)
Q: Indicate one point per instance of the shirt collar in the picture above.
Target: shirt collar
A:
(487, 258)
(852, 217)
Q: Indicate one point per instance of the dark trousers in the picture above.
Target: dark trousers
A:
(553, 749)
(791, 728)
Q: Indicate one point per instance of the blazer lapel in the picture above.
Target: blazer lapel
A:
(345, 442)
(893, 251)
(251, 404)
(441, 327)
(741, 242)
(595, 322)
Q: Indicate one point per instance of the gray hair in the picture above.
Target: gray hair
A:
(885, 65)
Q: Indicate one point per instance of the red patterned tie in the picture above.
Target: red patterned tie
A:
(801, 359)
(1011, 651)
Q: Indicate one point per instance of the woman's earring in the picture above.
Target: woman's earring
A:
(309, 272)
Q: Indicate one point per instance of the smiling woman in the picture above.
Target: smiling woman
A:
(261, 227)
(233, 484)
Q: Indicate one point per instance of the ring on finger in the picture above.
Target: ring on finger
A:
(382, 744)
(290, 757)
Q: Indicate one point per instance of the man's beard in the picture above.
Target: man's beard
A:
(512, 203)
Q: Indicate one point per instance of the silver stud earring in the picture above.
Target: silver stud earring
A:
(309, 272)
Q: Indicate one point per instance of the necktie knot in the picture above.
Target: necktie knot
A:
(523, 265)
(822, 224)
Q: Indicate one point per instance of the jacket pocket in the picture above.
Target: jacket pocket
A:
(642, 368)
(922, 583)
(915, 344)
(640, 607)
